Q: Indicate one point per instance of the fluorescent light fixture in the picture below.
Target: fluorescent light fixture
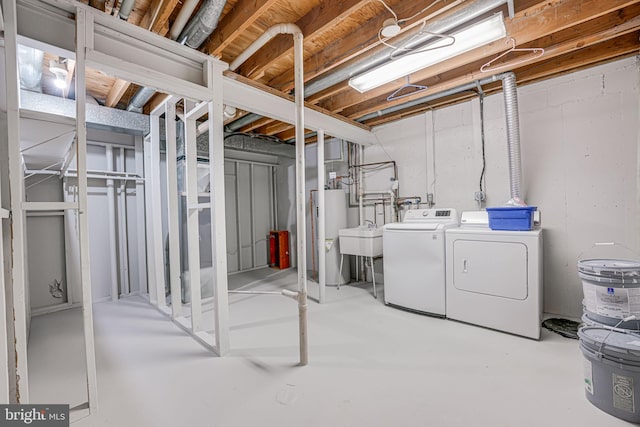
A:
(476, 35)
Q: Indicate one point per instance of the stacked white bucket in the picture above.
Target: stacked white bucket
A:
(610, 337)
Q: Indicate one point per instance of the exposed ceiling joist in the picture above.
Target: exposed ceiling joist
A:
(363, 39)
(241, 17)
(318, 20)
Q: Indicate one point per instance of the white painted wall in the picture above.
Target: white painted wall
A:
(579, 136)
(45, 240)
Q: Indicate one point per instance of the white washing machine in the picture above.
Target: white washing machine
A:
(494, 278)
(414, 260)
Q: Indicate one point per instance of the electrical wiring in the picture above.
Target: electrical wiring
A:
(402, 48)
(484, 161)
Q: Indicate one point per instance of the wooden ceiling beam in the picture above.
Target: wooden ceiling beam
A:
(116, 92)
(584, 34)
(157, 16)
(622, 46)
(617, 46)
(318, 20)
(244, 14)
(362, 39)
(255, 125)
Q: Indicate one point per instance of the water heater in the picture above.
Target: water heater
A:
(336, 205)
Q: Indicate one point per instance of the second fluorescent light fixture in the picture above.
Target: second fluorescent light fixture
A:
(476, 35)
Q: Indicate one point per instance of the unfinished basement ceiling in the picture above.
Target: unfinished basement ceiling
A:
(341, 34)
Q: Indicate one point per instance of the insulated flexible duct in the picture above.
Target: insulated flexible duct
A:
(510, 91)
(202, 24)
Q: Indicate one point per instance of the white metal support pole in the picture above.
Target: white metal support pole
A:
(149, 213)
(140, 218)
(16, 185)
(218, 219)
(238, 225)
(252, 201)
(158, 296)
(4, 355)
(122, 225)
(321, 220)
(111, 211)
(4, 360)
(300, 200)
(172, 202)
(84, 40)
(193, 226)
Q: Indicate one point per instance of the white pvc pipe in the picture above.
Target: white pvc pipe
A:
(183, 17)
(111, 211)
(298, 39)
(321, 219)
(264, 39)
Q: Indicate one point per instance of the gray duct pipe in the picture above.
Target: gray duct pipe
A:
(203, 24)
(442, 25)
(196, 32)
(30, 62)
(139, 100)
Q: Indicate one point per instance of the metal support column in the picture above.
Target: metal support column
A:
(172, 203)
(140, 218)
(157, 295)
(123, 232)
(111, 211)
(16, 185)
(321, 220)
(193, 235)
(84, 41)
(218, 220)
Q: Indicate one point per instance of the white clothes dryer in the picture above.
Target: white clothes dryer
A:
(494, 278)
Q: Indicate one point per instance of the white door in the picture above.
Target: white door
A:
(491, 268)
(414, 270)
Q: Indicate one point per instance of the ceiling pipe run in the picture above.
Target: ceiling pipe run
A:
(183, 17)
(196, 32)
(140, 99)
(125, 9)
(301, 294)
(413, 40)
(203, 24)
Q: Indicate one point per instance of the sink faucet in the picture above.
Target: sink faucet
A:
(371, 225)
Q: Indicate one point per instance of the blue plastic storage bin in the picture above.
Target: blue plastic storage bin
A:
(518, 218)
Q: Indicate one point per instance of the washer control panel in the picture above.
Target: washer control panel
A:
(431, 215)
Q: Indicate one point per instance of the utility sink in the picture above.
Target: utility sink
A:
(361, 241)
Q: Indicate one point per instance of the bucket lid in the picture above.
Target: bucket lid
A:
(610, 270)
(612, 343)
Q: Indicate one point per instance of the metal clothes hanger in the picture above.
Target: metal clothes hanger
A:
(536, 51)
(417, 89)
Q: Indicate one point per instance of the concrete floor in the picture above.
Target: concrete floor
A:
(370, 365)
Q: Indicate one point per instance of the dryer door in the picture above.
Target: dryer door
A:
(491, 268)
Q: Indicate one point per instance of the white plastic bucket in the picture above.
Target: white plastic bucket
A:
(611, 289)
